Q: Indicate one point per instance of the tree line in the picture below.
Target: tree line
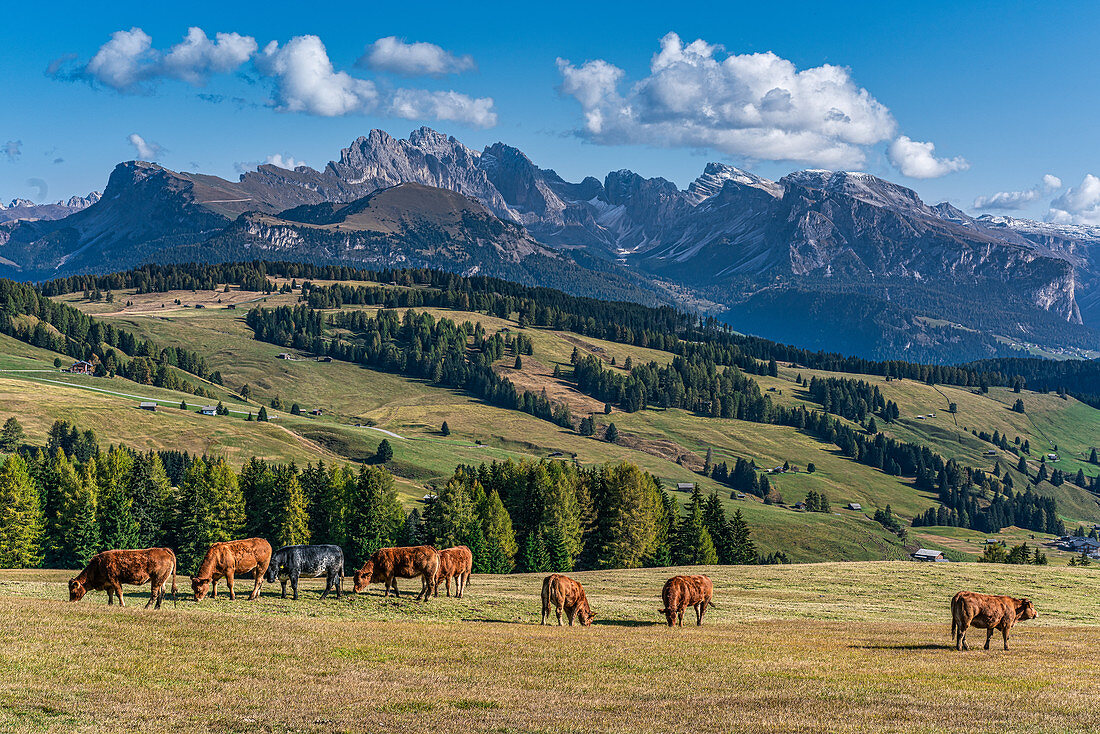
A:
(68, 500)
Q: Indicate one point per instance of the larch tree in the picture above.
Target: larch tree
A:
(22, 525)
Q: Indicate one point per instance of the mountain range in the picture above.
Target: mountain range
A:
(836, 260)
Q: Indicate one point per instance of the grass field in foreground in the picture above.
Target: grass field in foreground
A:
(820, 647)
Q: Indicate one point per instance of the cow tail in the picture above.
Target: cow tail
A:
(175, 596)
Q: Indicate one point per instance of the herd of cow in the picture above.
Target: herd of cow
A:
(111, 569)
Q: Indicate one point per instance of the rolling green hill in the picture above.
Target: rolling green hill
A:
(361, 406)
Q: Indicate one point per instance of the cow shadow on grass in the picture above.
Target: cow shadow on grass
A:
(914, 646)
(624, 623)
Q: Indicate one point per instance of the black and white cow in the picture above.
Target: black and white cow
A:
(312, 561)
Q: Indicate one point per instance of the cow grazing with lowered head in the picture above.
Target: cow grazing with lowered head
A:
(389, 564)
(563, 593)
(970, 609)
(226, 560)
(681, 592)
(111, 569)
(291, 562)
(455, 563)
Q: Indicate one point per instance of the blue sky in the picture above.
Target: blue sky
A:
(1007, 92)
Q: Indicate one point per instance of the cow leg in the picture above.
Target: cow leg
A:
(680, 617)
(229, 578)
(283, 583)
(152, 593)
(294, 584)
(110, 596)
(259, 580)
(988, 637)
(960, 639)
(118, 591)
(1004, 633)
(559, 616)
(339, 581)
(328, 584)
(699, 609)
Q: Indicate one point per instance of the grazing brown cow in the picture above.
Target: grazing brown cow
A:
(970, 609)
(455, 563)
(389, 564)
(226, 560)
(111, 569)
(562, 592)
(681, 592)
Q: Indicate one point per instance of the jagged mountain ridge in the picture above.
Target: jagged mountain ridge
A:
(729, 238)
(727, 223)
(24, 209)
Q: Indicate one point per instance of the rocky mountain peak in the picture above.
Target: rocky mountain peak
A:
(715, 176)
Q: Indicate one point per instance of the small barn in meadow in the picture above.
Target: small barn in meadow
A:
(83, 367)
(209, 410)
(148, 406)
(854, 506)
(926, 555)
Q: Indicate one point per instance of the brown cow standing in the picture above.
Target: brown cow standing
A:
(226, 560)
(562, 592)
(110, 569)
(389, 564)
(970, 609)
(681, 592)
(455, 563)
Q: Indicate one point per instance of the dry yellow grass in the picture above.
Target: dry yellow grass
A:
(823, 647)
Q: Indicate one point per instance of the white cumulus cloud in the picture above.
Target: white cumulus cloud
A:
(197, 57)
(918, 160)
(752, 105)
(146, 150)
(397, 56)
(1079, 204)
(128, 63)
(1011, 200)
(305, 80)
(303, 76)
(418, 104)
(123, 62)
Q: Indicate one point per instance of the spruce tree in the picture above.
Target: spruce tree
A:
(693, 546)
(744, 550)
(384, 453)
(611, 435)
(375, 515)
(500, 539)
(292, 519)
(445, 429)
(117, 526)
(22, 526)
(196, 518)
(1093, 458)
(78, 537)
(262, 416)
(151, 499)
(11, 435)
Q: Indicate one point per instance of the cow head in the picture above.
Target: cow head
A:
(363, 576)
(76, 590)
(272, 574)
(201, 587)
(1026, 610)
(586, 616)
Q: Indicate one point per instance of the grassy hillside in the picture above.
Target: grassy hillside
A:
(848, 647)
(669, 443)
